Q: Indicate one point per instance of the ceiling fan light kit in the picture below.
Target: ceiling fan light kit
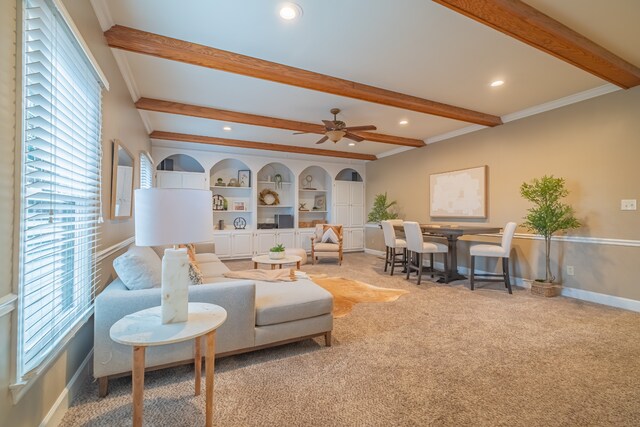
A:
(336, 129)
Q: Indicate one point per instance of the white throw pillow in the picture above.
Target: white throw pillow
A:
(330, 236)
(139, 268)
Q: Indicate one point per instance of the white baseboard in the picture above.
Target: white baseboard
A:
(59, 408)
(590, 296)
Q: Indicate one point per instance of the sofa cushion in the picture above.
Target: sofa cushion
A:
(139, 268)
(207, 257)
(289, 301)
(212, 269)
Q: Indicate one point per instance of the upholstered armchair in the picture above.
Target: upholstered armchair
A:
(323, 242)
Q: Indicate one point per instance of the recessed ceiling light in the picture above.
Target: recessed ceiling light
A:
(404, 122)
(227, 128)
(497, 83)
(351, 144)
(290, 11)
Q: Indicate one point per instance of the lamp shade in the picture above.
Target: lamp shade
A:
(172, 216)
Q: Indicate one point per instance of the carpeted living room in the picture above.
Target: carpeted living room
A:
(303, 213)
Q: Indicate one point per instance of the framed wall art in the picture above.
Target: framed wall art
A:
(459, 194)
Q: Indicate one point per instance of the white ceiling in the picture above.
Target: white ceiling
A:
(415, 47)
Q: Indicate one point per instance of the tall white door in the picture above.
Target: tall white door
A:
(343, 193)
(357, 238)
(194, 180)
(343, 215)
(356, 193)
(357, 216)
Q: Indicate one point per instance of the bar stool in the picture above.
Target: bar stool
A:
(392, 243)
(494, 251)
(417, 247)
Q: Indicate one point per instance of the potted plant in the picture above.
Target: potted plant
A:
(380, 210)
(547, 217)
(277, 252)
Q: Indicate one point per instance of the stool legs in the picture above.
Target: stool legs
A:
(386, 258)
(473, 268)
(505, 270)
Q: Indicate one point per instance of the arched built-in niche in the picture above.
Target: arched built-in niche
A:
(180, 163)
(314, 197)
(231, 179)
(349, 174)
(275, 179)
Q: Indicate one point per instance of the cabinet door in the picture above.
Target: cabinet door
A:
(356, 216)
(343, 193)
(193, 180)
(167, 179)
(346, 239)
(264, 241)
(241, 244)
(357, 238)
(304, 240)
(356, 195)
(287, 238)
(343, 215)
(222, 243)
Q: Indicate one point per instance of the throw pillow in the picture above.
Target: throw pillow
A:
(139, 268)
(195, 274)
(330, 236)
(337, 230)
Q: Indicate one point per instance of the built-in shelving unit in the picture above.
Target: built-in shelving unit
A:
(314, 191)
(227, 171)
(278, 178)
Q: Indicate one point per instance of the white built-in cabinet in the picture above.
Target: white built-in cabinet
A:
(349, 206)
(313, 192)
(178, 179)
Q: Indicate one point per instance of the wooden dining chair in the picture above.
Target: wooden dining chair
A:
(393, 244)
(494, 251)
(417, 247)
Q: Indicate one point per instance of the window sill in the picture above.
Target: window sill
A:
(23, 384)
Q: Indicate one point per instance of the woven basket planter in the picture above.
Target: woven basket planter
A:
(545, 289)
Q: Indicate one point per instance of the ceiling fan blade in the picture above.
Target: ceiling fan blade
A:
(356, 128)
(329, 124)
(300, 133)
(356, 138)
(323, 139)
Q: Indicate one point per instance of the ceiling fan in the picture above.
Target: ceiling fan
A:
(336, 129)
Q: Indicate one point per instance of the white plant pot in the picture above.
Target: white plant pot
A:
(276, 255)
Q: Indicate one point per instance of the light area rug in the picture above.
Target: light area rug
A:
(349, 292)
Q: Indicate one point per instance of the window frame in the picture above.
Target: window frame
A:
(142, 155)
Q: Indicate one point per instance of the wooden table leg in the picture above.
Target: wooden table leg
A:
(197, 361)
(209, 368)
(255, 265)
(138, 385)
(273, 266)
(280, 266)
(298, 265)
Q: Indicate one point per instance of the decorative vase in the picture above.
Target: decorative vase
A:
(545, 289)
(276, 255)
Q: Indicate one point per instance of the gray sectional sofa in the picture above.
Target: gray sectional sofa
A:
(259, 315)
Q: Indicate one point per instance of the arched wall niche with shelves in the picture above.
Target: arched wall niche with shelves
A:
(230, 181)
(314, 197)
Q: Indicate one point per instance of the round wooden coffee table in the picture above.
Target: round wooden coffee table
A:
(264, 259)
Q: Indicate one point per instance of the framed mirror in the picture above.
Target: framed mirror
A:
(122, 174)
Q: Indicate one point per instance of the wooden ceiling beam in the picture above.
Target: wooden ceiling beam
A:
(134, 40)
(182, 137)
(256, 120)
(527, 24)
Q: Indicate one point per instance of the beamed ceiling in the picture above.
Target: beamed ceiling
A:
(194, 67)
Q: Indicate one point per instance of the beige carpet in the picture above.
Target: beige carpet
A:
(441, 355)
(348, 292)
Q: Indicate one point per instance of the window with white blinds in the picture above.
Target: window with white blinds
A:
(146, 171)
(60, 184)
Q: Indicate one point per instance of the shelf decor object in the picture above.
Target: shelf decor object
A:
(171, 216)
(239, 223)
(244, 178)
(219, 203)
(269, 198)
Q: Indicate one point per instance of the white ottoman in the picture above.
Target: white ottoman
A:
(299, 252)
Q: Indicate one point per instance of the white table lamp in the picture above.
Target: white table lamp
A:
(167, 216)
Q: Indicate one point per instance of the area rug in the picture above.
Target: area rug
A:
(348, 292)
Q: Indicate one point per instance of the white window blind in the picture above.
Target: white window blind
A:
(60, 184)
(146, 171)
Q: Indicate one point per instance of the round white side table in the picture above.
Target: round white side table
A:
(264, 259)
(144, 329)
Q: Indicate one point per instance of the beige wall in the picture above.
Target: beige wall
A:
(121, 121)
(594, 145)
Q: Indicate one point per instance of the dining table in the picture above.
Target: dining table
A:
(452, 232)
